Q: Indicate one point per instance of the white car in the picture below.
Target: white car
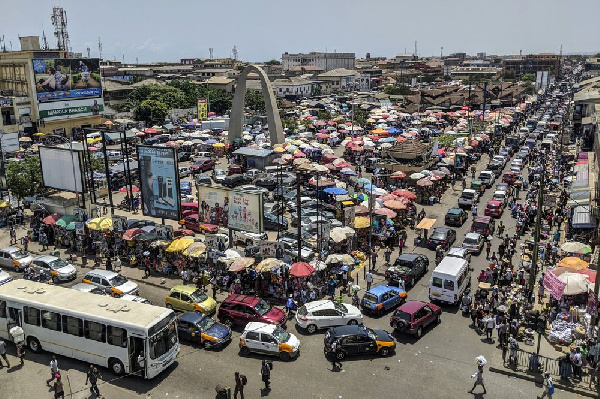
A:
(324, 314)
(59, 269)
(4, 277)
(248, 238)
(270, 340)
(500, 196)
(184, 171)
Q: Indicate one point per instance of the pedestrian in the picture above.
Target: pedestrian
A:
(474, 210)
(59, 389)
(117, 264)
(240, 381)
(331, 283)
(184, 276)
(478, 379)
(577, 363)
(388, 254)
(53, 370)
(147, 266)
(488, 249)
(373, 259)
(92, 377)
(109, 264)
(265, 372)
(213, 284)
(369, 279)
(289, 305)
(548, 387)
(333, 351)
(25, 241)
(3, 353)
(490, 323)
(13, 235)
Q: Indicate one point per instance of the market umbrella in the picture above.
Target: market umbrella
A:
(132, 233)
(576, 247)
(241, 264)
(574, 283)
(100, 223)
(386, 212)
(183, 232)
(339, 234)
(4, 204)
(335, 191)
(51, 219)
(268, 264)
(424, 182)
(590, 274)
(195, 250)
(398, 175)
(417, 176)
(318, 265)
(180, 244)
(363, 180)
(358, 209)
(125, 189)
(388, 197)
(360, 222)
(65, 220)
(394, 204)
(573, 263)
(301, 269)
(405, 194)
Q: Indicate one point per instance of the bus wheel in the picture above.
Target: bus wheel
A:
(116, 366)
(34, 345)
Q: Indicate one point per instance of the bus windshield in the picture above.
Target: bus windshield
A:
(164, 340)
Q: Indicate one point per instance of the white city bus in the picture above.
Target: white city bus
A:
(97, 329)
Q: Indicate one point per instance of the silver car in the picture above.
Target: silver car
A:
(59, 269)
(473, 242)
(14, 258)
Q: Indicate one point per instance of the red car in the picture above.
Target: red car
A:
(509, 177)
(202, 165)
(242, 309)
(494, 209)
(414, 316)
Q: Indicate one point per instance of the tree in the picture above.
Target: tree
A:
(446, 140)
(273, 62)
(360, 115)
(323, 115)
(528, 77)
(289, 123)
(151, 111)
(255, 101)
(401, 90)
(24, 178)
(219, 100)
(509, 75)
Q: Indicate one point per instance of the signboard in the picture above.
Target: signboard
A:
(159, 181)
(214, 205)
(6, 102)
(68, 162)
(119, 223)
(246, 211)
(323, 231)
(272, 249)
(68, 87)
(164, 232)
(216, 241)
(80, 214)
(80, 228)
(202, 109)
(554, 285)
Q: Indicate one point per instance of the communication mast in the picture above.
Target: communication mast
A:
(88, 51)
(100, 48)
(44, 41)
(234, 53)
(59, 20)
(211, 51)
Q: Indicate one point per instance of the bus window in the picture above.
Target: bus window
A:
(51, 320)
(95, 331)
(117, 336)
(73, 326)
(3, 309)
(32, 316)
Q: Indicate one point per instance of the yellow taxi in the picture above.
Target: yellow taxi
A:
(188, 298)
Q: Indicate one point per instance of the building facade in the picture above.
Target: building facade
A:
(532, 63)
(325, 61)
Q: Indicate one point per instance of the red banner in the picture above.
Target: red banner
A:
(554, 285)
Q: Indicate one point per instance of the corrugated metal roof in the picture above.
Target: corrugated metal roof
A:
(582, 218)
(253, 152)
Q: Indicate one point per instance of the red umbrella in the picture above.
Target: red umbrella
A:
(182, 233)
(92, 148)
(150, 131)
(465, 108)
(424, 182)
(301, 269)
(125, 189)
(405, 193)
(131, 233)
(591, 274)
(395, 204)
(322, 136)
(388, 197)
(51, 220)
(398, 175)
(386, 212)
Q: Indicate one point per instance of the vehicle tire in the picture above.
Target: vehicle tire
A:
(244, 351)
(311, 329)
(116, 366)
(384, 351)
(248, 242)
(34, 345)
(17, 268)
(352, 322)
(419, 332)
(340, 355)
(394, 325)
(55, 279)
(438, 319)
(169, 306)
(284, 356)
(228, 322)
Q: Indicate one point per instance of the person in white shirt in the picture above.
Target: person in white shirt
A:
(369, 279)
(490, 323)
(53, 370)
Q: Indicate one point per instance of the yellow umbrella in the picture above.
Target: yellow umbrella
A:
(39, 134)
(219, 145)
(4, 204)
(195, 250)
(100, 224)
(279, 149)
(267, 264)
(180, 244)
(573, 262)
(360, 222)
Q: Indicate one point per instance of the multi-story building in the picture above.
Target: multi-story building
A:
(43, 90)
(325, 61)
(532, 63)
(475, 73)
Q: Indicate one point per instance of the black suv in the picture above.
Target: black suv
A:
(234, 180)
(356, 340)
(407, 268)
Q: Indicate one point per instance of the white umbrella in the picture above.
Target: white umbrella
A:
(318, 265)
(417, 176)
(339, 234)
(575, 283)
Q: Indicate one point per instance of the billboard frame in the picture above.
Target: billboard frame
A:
(80, 181)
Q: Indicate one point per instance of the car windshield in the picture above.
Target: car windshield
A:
(493, 206)
(403, 269)
(438, 235)
(468, 195)
(340, 307)
(57, 264)
(454, 212)
(164, 340)
(402, 315)
(118, 280)
(262, 307)
(281, 335)
(371, 334)
(403, 262)
(370, 297)
(471, 240)
(206, 323)
(199, 296)
(18, 254)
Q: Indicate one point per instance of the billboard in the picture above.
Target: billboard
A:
(62, 168)
(237, 210)
(164, 232)
(202, 109)
(159, 181)
(68, 87)
(272, 249)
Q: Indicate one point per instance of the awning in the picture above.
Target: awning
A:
(582, 218)
(426, 223)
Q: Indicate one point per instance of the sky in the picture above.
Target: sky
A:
(168, 30)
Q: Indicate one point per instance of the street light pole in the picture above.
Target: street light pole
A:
(538, 226)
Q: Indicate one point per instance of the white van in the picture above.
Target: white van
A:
(449, 280)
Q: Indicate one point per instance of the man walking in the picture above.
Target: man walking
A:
(239, 386)
(548, 387)
(490, 323)
(53, 370)
(333, 353)
(265, 372)
(92, 377)
(478, 379)
(3, 353)
(369, 279)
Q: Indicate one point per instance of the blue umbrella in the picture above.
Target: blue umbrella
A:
(369, 187)
(210, 141)
(363, 180)
(394, 130)
(348, 172)
(387, 140)
(335, 191)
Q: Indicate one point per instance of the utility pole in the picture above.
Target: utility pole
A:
(298, 218)
(538, 227)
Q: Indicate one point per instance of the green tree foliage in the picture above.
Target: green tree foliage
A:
(323, 115)
(219, 101)
(289, 123)
(24, 178)
(446, 140)
(360, 115)
(273, 62)
(509, 75)
(528, 77)
(151, 111)
(255, 101)
(401, 90)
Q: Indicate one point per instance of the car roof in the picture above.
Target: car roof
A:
(348, 330)
(380, 289)
(443, 229)
(257, 326)
(188, 289)
(322, 304)
(473, 235)
(46, 258)
(102, 273)
(10, 249)
(497, 203)
(412, 306)
(502, 192)
(409, 256)
(191, 317)
(83, 287)
(247, 299)
(455, 210)
(469, 190)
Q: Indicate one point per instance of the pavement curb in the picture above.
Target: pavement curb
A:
(68, 389)
(558, 383)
